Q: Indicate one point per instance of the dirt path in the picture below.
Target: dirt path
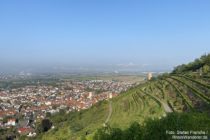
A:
(110, 112)
(165, 105)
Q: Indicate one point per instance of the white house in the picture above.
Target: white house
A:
(11, 122)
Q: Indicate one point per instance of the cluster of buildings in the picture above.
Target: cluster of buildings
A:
(21, 108)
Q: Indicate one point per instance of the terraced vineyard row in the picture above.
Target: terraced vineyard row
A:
(135, 105)
(185, 98)
(196, 91)
(179, 92)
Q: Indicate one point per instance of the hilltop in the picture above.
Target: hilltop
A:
(184, 93)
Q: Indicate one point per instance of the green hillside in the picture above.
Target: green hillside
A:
(186, 89)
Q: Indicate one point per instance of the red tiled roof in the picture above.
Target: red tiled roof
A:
(11, 120)
(24, 130)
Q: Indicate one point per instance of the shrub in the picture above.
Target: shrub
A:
(156, 129)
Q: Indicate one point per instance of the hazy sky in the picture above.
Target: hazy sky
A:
(161, 33)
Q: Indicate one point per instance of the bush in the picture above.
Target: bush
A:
(156, 129)
(134, 132)
(44, 126)
(176, 121)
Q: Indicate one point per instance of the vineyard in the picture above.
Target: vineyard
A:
(174, 93)
(183, 90)
(151, 100)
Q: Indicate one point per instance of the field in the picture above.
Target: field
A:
(114, 77)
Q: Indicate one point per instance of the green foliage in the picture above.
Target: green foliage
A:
(44, 126)
(193, 66)
(134, 132)
(206, 59)
(162, 76)
(48, 114)
(23, 137)
(7, 133)
(83, 138)
(101, 134)
(76, 127)
(108, 134)
(156, 129)
(205, 69)
(59, 117)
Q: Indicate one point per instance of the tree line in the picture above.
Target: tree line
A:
(202, 63)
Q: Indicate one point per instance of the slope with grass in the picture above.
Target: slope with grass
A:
(184, 90)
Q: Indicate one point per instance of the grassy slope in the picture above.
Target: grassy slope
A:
(127, 108)
(136, 105)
